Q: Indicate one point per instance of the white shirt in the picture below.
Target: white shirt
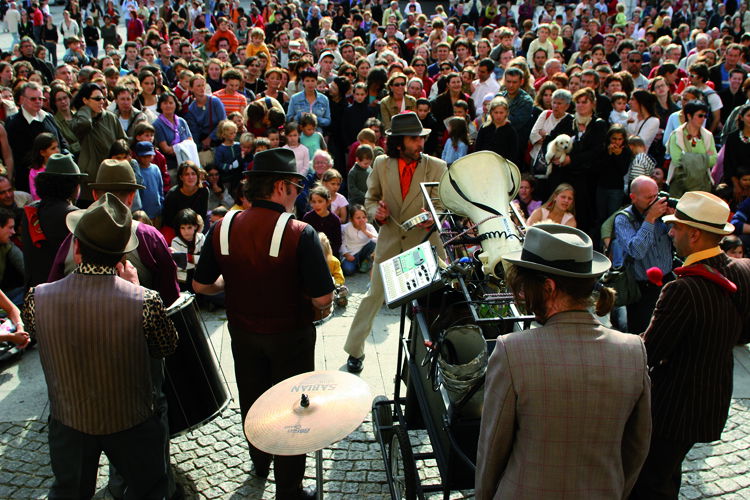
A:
(645, 129)
(481, 89)
(69, 30)
(12, 18)
(30, 118)
(353, 240)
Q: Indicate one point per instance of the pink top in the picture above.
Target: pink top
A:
(33, 172)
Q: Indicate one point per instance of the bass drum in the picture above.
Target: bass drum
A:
(194, 385)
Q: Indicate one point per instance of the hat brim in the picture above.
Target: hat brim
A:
(727, 229)
(423, 133)
(115, 186)
(63, 174)
(72, 220)
(600, 264)
(274, 172)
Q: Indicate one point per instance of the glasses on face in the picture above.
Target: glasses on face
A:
(348, 73)
(700, 115)
(299, 187)
(97, 98)
(34, 99)
(419, 64)
(398, 84)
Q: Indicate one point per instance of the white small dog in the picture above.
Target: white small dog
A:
(558, 148)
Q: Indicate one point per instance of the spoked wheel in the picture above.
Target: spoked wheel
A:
(403, 467)
(384, 419)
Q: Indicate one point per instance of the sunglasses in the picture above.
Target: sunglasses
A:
(348, 73)
(299, 187)
(97, 98)
(419, 64)
(398, 84)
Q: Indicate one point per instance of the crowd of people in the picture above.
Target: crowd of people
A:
(607, 108)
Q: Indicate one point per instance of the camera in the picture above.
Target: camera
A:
(671, 202)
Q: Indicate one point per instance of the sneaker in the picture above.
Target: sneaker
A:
(365, 266)
(341, 301)
(354, 365)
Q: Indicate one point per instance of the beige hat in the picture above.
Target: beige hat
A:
(703, 211)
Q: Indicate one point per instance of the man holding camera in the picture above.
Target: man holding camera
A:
(643, 242)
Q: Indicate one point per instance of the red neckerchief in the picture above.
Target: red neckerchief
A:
(406, 173)
(709, 273)
(34, 227)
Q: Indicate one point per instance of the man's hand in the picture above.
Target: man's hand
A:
(382, 213)
(349, 257)
(127, 271)
(656, 210)
(427, 225)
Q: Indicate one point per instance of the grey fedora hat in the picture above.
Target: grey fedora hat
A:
(280, 161)
(407, 124)
(62, 165)
(115, 175)
(106, 226)
(559, 250)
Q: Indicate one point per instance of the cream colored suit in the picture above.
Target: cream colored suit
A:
(384, 184)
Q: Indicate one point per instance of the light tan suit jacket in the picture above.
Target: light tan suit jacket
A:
(384, 184)
(566, 413)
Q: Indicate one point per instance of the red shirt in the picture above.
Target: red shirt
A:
(405, 174)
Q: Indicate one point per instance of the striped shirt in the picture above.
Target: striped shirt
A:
(232, 102)
(648, 244)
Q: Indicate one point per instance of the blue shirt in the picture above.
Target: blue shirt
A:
(152, 198)
(165, 133)
(648, 244)
(298, 104)
(204, 121)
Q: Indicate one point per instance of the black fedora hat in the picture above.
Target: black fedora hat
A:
(279, 161)
(407, 124)
(62, 165)
(106, 226)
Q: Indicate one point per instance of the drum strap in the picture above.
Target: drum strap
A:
(226, 224)
(278, 233)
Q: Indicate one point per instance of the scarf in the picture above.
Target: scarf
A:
(583, 120)
(173, 127)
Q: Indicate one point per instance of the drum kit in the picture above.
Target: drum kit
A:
(306, 413)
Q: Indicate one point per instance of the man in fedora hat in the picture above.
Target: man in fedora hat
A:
(44, 226)
(566, 405)
(151, 259)
(98, 372)
(271, 265)
(156, 271)
(393, 196)
(699, 318)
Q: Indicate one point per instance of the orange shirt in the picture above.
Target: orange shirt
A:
(405, 174)
(233, 102)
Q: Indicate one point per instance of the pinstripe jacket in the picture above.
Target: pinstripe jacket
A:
(566, 413)
(689, 342)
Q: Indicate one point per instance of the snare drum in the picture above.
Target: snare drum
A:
(194, 385)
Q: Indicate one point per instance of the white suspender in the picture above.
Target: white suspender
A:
(278, 233)
(226, 223)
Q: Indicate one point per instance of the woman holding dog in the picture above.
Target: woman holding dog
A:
(580, 167)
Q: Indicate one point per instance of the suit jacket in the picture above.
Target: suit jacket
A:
(566, 413)
(383, 184)
(714, 74)
(695, 326)
(21, 135)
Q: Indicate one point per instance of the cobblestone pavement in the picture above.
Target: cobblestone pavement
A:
(212, 462)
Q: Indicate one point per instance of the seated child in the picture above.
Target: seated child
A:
(187, 245)
(357, 178)
(732, 246)
(341, 291)
(358, 242)
(322, 219)
(247, 147)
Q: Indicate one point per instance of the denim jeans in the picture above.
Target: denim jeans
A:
(351, 267)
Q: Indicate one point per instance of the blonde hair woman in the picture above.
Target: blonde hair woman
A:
(559, 208)
(496, 134)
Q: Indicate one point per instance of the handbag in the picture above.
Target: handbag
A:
(539, 163)
(622, 279)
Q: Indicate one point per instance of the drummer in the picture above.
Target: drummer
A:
(567, 410)
(97, 373)
(277, 283)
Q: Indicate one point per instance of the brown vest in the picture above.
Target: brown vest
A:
(264, 294)
(94, 352)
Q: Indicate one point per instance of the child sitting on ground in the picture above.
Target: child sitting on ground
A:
(187, 245)
(247, 147)
(341, 292)
(358, 242)
(357, 178)
(322, 219)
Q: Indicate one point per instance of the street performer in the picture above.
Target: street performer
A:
(698, 320)
(394, 196)
(95, 332)
(277, 282)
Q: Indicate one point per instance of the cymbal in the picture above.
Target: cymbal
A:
(307, 412)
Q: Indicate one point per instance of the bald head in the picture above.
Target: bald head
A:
(641, 183)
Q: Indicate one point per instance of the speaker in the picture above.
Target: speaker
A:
(480, 186)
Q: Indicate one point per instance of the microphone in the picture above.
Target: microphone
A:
(654, 275)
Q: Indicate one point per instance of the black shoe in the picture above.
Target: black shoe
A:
(308, 492)
(179, 492)
(354, 365)
(262, 469)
